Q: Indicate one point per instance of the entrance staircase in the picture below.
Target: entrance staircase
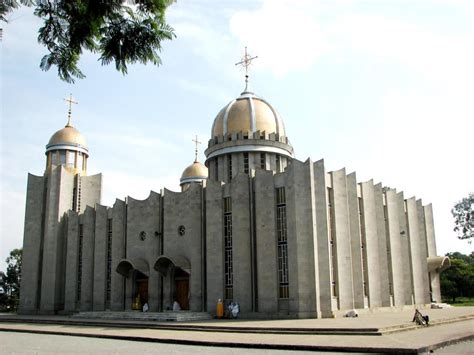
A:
(180, 316)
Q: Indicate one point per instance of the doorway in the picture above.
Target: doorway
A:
(140, 294)
(181, 282)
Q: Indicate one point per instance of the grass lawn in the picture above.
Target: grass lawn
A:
(461, 302)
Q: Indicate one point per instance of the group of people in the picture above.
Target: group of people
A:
(232, 311)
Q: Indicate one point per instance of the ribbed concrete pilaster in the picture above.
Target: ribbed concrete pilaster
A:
(241, 243)
(88, 242)
(342, 240)
(299, 199)
(71, 262)
(424, 252)
(382, 241)
(356, 258)
(100, 258)
(406, 250)
(416, 251)
(321, 243)
(431, 241)
(214, 245)
(58, 201)
(32, 240)
(372, 245)
(396, 256)
(266, 242)
(118, 253)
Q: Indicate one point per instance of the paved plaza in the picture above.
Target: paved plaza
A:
(371, 332)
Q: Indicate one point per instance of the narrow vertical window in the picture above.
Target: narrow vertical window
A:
(216, 172)
(229, 167)
(246, 163)
(108, 287)
(79, 262)
(282, 243)
(332, 241)
(278, 166)
(263, 161)
(228, 263)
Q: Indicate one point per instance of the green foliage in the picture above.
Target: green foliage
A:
(118, 32)
(463, 213)
(458, 280)
(10, 281)
(7, 6)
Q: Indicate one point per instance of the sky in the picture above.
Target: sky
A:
(382, 88)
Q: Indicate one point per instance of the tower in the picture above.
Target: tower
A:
(247, 134)
(64, 186)
(194, 173)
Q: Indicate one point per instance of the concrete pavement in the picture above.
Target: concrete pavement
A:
(372, 332)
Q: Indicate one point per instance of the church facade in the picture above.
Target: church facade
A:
(254, 225)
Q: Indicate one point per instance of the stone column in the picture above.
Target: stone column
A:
(406, 250)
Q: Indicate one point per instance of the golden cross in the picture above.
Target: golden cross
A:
(196, 151)
(245, 62)
(70, 101)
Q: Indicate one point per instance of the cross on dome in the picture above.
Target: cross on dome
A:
(196, 142)
(245, 62)
(70, 101)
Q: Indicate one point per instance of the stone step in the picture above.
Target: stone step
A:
(180, 316)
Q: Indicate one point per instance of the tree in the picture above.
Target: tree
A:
(118, 31)
(458, 280)
(463, 213)
(10, 281)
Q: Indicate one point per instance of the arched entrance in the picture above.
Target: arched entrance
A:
(176, 273)
(136, 271)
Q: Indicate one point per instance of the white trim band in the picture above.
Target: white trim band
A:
(250, 148)
(53, 147)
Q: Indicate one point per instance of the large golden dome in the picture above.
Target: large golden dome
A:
(248, 113)
(196, 172)
(67, 136)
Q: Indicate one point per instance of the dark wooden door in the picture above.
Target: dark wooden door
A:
(182, 292)
(142, 286)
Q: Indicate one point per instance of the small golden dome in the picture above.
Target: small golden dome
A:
(248, 113)
(67, 136)
(195, 170)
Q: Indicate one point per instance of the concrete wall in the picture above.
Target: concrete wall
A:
(32, 245)
(214, 244)
(100, 259)
(185, 209)
(301, 225)
(70, 304)
(58, 201)
(119, 216)
(267, 267)
(342, 240)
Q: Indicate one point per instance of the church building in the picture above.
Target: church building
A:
(283, 238)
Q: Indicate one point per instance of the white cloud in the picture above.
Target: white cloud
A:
(284, 34)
